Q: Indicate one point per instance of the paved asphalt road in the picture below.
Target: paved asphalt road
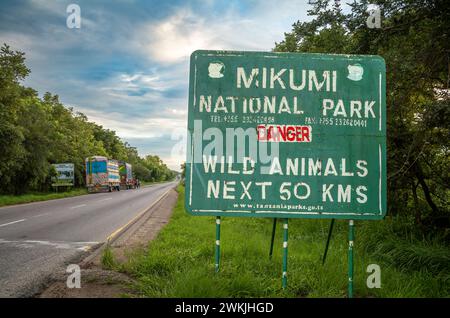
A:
(38, 238)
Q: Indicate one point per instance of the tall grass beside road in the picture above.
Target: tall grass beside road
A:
(38, 196)
(180, 261)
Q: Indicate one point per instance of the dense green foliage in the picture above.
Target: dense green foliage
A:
(36, 132)
(180, 261)
(414, 40)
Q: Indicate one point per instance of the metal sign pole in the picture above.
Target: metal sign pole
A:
(285, 252)
(217, 244)
(351, 236)
(330, 231)
(273, 237)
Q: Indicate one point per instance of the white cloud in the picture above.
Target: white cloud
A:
(173, 39)
(153, 126)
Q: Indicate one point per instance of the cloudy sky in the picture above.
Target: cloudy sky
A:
(126, 68)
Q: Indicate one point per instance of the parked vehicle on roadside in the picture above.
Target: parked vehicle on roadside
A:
(126, 176)
(102, 174)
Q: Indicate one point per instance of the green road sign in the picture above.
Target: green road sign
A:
(286, 135)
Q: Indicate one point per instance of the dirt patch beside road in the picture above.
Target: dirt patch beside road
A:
(97, 282)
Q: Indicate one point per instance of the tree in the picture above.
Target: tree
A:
(414, 41)
(12, 152)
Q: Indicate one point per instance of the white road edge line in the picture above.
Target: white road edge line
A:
(13, 222)
(39, 215)
(140, 214)
(78, 206)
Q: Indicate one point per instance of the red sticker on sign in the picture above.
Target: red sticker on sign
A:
(284, 133)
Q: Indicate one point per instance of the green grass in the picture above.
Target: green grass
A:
(107, 259)
(39, 196)
(180, 261)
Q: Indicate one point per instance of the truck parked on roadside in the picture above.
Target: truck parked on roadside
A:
(126, 176)
(102, 174)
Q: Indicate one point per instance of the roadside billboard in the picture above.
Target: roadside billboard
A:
(65, 175)
(286, 135)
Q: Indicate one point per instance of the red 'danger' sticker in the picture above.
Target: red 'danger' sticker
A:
(284, 133)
